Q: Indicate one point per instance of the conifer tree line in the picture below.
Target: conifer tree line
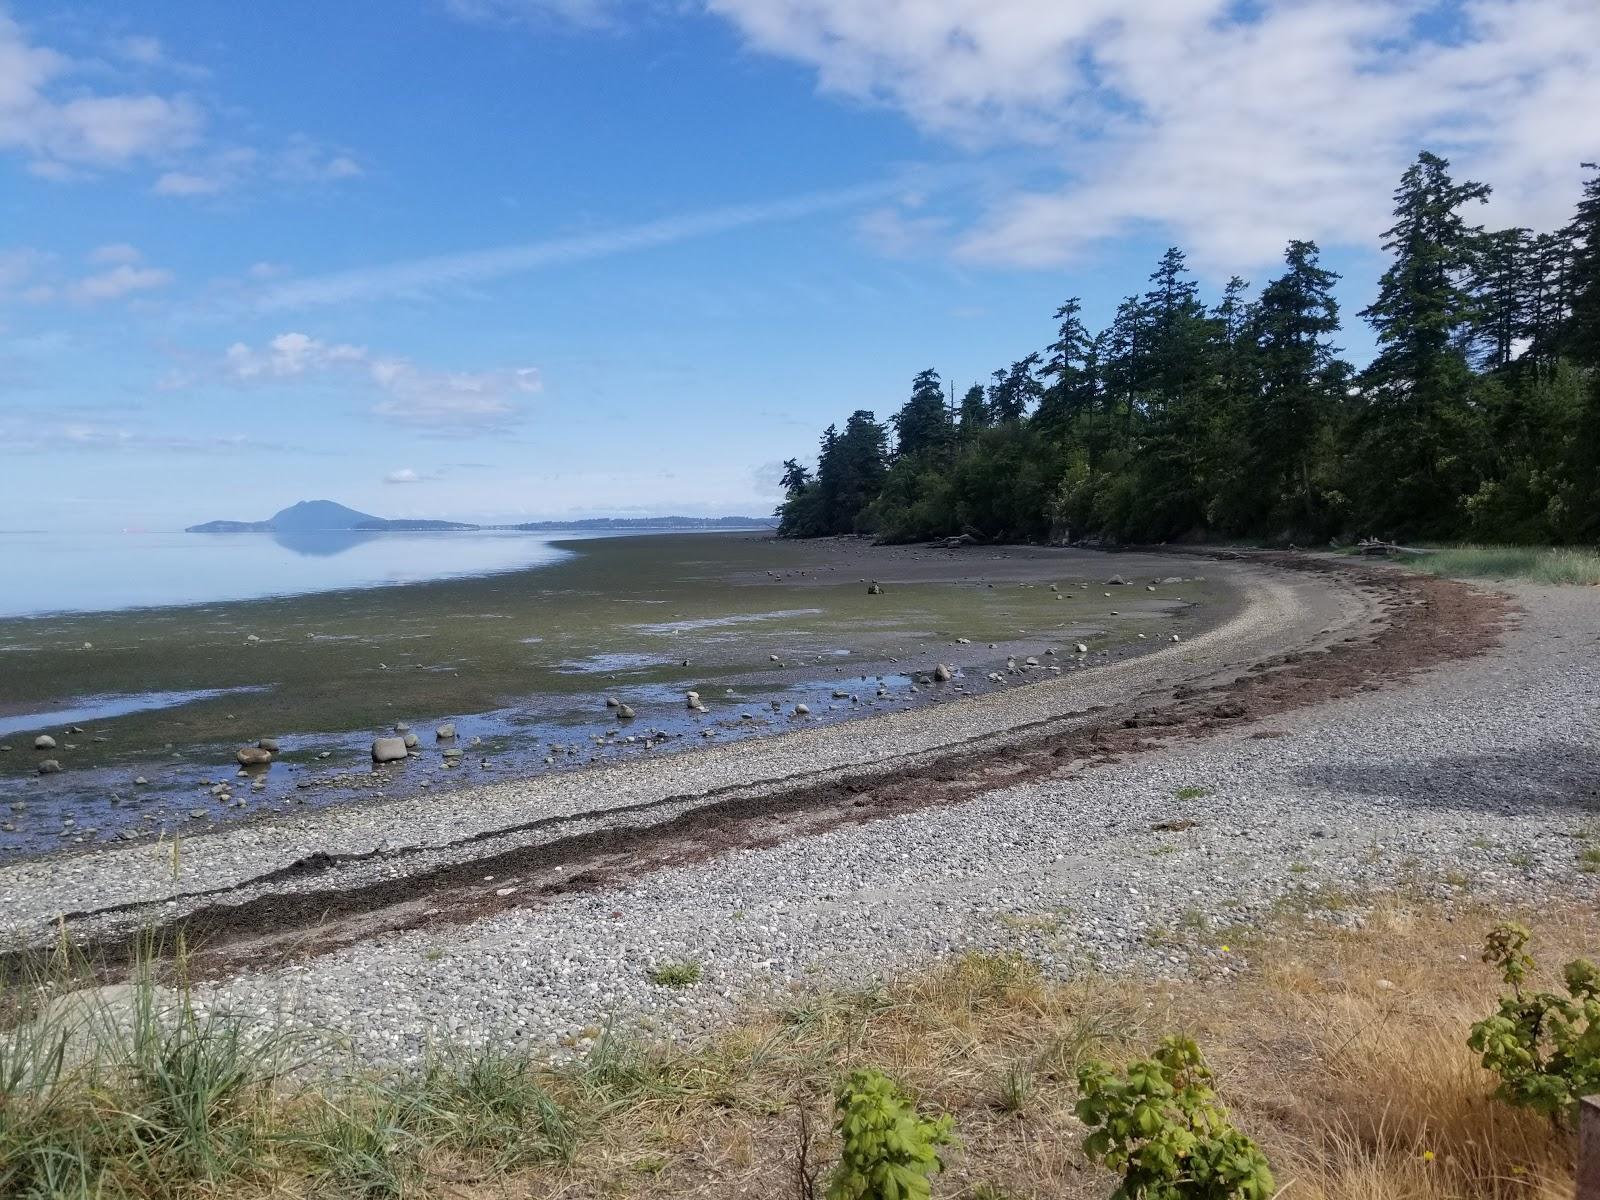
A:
(1479, 416)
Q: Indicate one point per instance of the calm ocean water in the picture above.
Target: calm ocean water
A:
(97, 572)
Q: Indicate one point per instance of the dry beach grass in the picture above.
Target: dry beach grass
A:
(1341, 1049)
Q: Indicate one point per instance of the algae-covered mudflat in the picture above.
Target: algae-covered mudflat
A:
(522, 663)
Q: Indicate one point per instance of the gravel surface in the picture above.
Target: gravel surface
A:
(1480, 778)
(1277, 611)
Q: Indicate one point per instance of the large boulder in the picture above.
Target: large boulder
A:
(44, 742)
(388, 749)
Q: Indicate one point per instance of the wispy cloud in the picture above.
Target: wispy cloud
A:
(69, 123)
(37, 278)
(406, 391)
(423, 275)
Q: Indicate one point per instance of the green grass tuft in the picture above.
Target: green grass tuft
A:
(1537, 564)
(675, 975)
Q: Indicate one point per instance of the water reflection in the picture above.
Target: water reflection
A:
(321, 543)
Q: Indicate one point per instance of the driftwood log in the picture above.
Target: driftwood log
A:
(1385, 549)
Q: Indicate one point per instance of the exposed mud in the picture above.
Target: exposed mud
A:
(1425, 623)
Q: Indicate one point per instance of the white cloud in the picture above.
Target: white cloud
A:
(59, 132)
(406, 392)
(56, 111)
(37, 278)
(121, 280)
(402, 475)
(1230, 128)
(587, 14)
(115, 252)
(188, 183)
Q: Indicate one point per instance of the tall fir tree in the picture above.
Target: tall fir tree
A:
(1416, 430)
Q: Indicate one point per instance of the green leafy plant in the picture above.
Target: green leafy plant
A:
(1160, 1126)
(889, 1149)
(1543, 1046)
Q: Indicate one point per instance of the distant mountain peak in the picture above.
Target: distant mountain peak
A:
(309, 515)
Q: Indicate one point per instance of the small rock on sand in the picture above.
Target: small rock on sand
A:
(252, 756)
(942, 674)
(49, 766)
(44, 742)
(445, 732)
(624, 713)
(268, 744)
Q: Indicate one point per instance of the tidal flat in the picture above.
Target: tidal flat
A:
(522, 663)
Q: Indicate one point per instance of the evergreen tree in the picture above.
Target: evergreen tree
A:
(974, 410)
(923, 422)
(1416, 430)
(1297, 380)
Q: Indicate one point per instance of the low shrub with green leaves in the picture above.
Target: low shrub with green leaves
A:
(889, 1149)
(1159, 1125)
(1543, 1046)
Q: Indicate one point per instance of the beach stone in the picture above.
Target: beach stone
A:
(140, 781)
(252, 756)
(612, 702)
(253, 638)
(270, 744)
(388, 749)
(1080, 648)
(942, 674)
(1117, 580)
(874, 589)
(454, 752)
(802, 710)
(624, 713)
(44, 742)
(691, 699)
(445, 732)
(411, 741)
(49, 766)
(402, 727)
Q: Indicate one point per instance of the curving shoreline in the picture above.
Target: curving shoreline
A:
(347, 848)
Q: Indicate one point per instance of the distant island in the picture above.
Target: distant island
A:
(326, 516)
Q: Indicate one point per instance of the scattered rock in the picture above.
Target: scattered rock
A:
(1116, 581)
(802, 710)
(624, 713)
(874, 589)
(411, 741)
(252, 638)
(44, 742)
(268, 744)
(140, 781)
(1080, 647)
(691, 700)
(942, 674)
(252, 756)
(612, 702)
(388, 749)
(445, 732)
(49, 766)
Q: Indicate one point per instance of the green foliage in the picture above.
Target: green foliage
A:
(675, 975)
(889, 1149)
(1159, 1125)
(1479, 416)
(1543, 1046)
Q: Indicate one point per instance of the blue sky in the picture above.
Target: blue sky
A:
(511, 259)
